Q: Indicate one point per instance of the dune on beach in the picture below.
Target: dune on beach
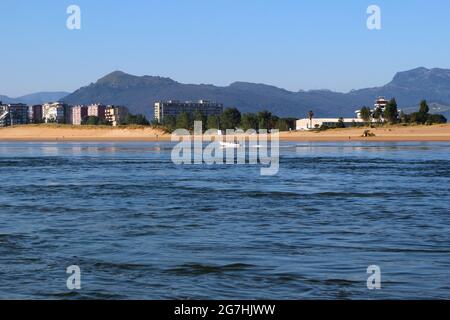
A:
(99, 133)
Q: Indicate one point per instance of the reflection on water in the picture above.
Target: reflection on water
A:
(141, 227)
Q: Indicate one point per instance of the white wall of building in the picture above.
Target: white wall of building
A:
(307, 124)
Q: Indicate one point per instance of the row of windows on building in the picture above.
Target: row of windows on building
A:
(15, 114)
(174, 108)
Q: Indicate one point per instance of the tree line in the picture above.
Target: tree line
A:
(391, 114)
(231, 118)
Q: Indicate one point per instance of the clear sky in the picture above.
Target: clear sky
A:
(293, 44)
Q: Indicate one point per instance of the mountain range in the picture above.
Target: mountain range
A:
(140, 92)
(36, 98)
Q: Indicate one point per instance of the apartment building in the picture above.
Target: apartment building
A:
(4, 115)
(97, 110)
(13, 114)
(35, 113)
(174, 108)
(55, 112)
(78, 114)
(115, 115)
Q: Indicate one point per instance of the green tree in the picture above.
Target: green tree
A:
(273, 121)
(170, 123)
(418, 117)
(198, 116)
(138, 119)
(424, 108)
(264, 119)
(282, 125)
(340, 123)
(212, 122)
(91, 121)
(142, 120)
(249, 121)
(291, 123)
(183, 121)
(404, 118)
(391, 111)
(422, 116)
(366, 114)
(377, 114)
(230, 119)
(436, 119)
(128, 119)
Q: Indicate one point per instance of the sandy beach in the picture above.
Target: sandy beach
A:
(80, 133)
(440, 132)
(72, 133)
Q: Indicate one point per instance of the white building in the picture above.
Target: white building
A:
(115, 115)
(54, 112)
(380, 105)
(316, 123)
(97, 110)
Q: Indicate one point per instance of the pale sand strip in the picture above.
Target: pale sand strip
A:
(69, 133)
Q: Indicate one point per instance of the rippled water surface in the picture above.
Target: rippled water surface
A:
(140, 227)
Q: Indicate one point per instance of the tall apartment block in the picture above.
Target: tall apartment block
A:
(174, 108)
(35, 113)
(13, 114)
(79, 113)
(3, 115)
(115, 115)
(97, 110)
(55, 112)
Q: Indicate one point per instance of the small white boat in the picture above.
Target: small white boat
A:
(229, 145)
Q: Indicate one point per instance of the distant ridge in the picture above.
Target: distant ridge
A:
(140, 92)
(36, 98)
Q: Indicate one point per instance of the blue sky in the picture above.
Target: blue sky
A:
(293, 44)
